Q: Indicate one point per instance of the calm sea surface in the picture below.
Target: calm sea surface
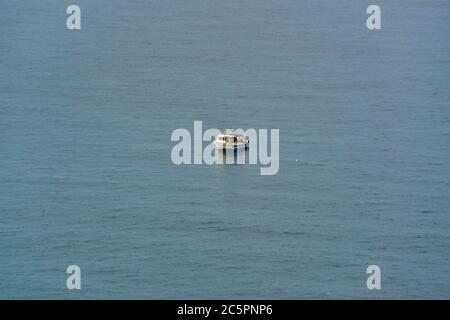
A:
(86, 176)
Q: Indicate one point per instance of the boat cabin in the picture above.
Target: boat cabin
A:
(231, 138)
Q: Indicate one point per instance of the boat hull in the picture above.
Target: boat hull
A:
(230, 146)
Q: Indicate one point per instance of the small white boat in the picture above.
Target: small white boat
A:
(230, 140)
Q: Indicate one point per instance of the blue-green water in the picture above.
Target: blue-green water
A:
(86, 176)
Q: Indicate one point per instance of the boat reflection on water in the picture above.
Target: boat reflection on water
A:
(227, 156)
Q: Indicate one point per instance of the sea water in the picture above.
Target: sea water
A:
(86, 176)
